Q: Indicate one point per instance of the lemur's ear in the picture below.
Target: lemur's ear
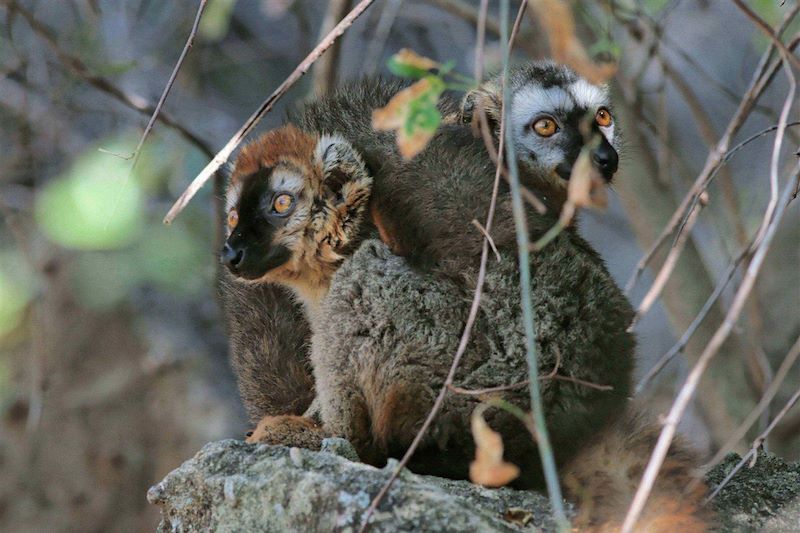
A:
(485, 98)
(341, 164)
(347, 186)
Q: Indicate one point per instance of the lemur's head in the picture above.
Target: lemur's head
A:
(554, 113)
(294, 203)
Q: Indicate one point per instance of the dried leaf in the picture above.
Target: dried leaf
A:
(556, 17)
(413, 114)
(586, 187)
(408, 64)
(488, 468)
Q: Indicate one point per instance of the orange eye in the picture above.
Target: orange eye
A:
(282, 203)
(603, 117)
(545, 127)
(233, 218)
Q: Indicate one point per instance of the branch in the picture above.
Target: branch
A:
(679, 346)
(170, 82)
(761, 79)
(518, 209)
(79, 69)
(767, 29)
(223, 155)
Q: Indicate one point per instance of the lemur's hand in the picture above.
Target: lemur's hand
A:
(288, 430)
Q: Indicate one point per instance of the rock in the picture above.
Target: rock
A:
(233, 486)
(764, 497)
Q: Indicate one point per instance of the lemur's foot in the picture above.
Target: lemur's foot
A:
(288, 430)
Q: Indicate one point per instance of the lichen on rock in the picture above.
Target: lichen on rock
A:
(233, 486)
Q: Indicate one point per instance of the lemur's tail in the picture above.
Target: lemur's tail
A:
(602, 479)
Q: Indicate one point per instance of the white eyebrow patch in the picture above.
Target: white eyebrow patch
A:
(531, 101)
(283, 179)
(588, 95)
(232, 196)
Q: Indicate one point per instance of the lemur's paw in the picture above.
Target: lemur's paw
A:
(288, 430)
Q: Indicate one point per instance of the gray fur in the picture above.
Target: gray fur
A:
(384, 324)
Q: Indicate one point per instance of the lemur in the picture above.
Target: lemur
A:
(385, 332)
(268, 354)
(366, 319)
(268, 347)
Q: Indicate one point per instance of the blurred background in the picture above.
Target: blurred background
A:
(113, 363)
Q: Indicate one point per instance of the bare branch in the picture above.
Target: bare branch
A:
(170, 82)
(767, 29)
(666, 269)
(79, 69)
(223, 155)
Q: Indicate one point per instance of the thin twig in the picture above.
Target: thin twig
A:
(553, 374)
(772, 217)
(223, 155)
(487, 237)
(666, 269)
(170, 82)
(520, 223)
(754, 448)
(767, 29)
(79, 69)
(465, 336)
(718, 290)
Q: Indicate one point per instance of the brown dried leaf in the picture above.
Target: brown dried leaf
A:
(411, 58)
(413, 114)
(556, 17)
(586, 186)
(488, 468)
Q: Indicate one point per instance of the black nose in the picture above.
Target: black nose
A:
(606, 159)
(231, 257)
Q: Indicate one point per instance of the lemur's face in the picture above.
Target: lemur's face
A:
(552, 123)
(554, 114)
(294, 201)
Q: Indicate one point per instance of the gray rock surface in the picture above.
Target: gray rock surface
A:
(233, 486)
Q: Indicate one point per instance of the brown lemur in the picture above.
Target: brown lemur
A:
(428, 204)
(385, 325)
